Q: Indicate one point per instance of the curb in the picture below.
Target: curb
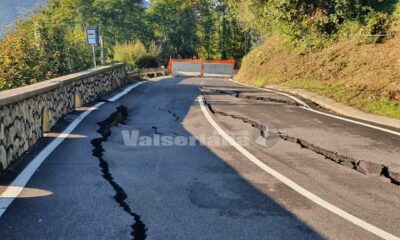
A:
(339, 108)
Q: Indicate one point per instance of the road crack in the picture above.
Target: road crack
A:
(241, 95)
(362, 166)
(155, 129)
(138, 227)
(177, 118)
(253, 123)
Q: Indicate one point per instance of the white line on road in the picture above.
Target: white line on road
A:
(17, 186)
(355, 122)
(308, 108)
(304, 192)
(304, 105)
(124, 92)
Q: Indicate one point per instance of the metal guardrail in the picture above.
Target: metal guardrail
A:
(149, 72)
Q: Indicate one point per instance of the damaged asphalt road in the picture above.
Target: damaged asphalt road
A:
(367, 167)
(118, 117)
(135, 172)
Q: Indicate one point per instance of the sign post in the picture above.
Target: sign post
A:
(94, 57)
(92, 38)
(102, 50)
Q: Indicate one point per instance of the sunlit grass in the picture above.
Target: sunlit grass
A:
(366, 77)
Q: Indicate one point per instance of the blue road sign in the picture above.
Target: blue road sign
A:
(92, 36)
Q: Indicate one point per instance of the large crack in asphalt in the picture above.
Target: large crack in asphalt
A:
(241, 95)
(138, 227)
(362, 166)
(253, 123)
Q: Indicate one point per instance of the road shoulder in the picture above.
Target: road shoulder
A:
(339, 108)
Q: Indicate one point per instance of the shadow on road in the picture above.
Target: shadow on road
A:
(178, 192)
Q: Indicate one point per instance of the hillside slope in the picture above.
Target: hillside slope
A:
(10, 10)
(365, 76)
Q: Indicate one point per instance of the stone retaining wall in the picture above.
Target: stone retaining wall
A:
(27, 113)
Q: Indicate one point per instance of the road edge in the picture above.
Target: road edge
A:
(337, 107)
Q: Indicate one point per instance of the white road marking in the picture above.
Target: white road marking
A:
(308, 108)
(124, 92)
(314, 198)
(17, 186)
(355, 122)
(304, 105)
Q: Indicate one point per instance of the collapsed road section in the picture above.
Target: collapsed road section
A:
(249, 96)
(362, 166)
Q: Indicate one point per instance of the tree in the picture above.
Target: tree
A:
(16, 67)
(313, 22)
(196, 29)
(52, 41)
(173, 23)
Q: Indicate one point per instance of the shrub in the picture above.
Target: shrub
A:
(147, 61)
(130, 53)
(37, 49)
(378, 25)
(154, 50)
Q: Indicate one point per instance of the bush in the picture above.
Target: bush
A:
(154, 50)
(130, 53)
(310, 22)
(378, 25)
(147, 61)
(37, 49)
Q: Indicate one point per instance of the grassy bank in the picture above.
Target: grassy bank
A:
(365, 76)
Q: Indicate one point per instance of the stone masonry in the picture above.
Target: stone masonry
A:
(26, 113)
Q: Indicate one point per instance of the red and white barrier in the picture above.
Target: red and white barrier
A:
(201, 68)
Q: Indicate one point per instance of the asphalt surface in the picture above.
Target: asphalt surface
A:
(103, 183)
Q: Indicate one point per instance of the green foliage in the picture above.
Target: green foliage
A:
(147, 61)
(359, 75)
(314, 23)
(173, 23)
(15, 66)
(52, 41)
(135, 55)
(130, 53)
(378, 25)
(79, 55)
(39, 49)
(196, 29)
(154, 50)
